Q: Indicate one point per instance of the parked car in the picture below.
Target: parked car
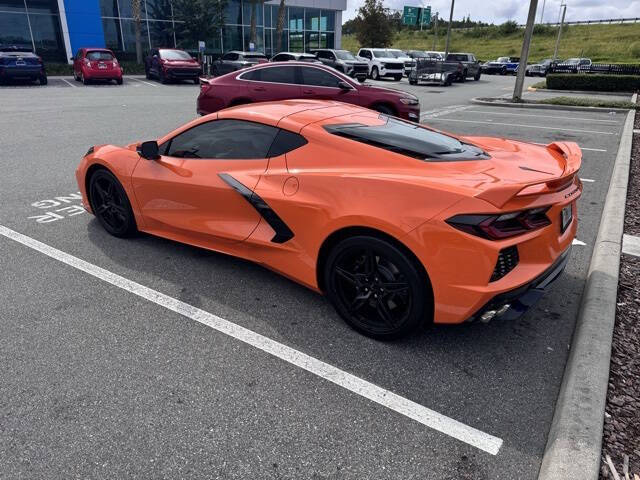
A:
(400, 225)
(96, 64)
(344, 61)
(236, 60)
(295, 56)
(18, 63)
(403, 57)
(382, 63)
(435, 70)
(287, 80)
(167, 64)
(502, 65)
(573, 65)
(539, 69)
(470, 66)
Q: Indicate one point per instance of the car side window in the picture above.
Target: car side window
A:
(318, 78)
(331, 56)
(279, 74)
(278, 58)
(253, 75)
(229, 56)
(223, 139)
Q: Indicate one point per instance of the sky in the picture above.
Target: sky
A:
(499, 11)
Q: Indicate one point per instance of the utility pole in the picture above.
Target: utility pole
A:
(542, 12)
(564, 11)
(524, 55)
(435, 35)
(446, 47)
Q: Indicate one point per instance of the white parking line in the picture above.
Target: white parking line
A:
(444, 111)
(587, 180)
(142, 81)
(575, 130)
(379, 395)
(631, 245)
(543, 116)
(68, 82)
(580, 243)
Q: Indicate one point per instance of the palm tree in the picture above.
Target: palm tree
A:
(136, 13)
(282, 13)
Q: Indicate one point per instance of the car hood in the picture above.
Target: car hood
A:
(359, 61)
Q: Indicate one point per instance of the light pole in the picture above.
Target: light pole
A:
(542, 12)
(435, 31)
(564, 11)
(446, 46)
(524, 55)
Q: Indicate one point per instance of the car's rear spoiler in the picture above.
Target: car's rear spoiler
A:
(572, 155)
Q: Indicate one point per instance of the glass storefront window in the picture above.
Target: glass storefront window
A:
(233, 13)
(125, 9)
(112, 37)
(14, 30)
(47, 36)
(129, 34)
(250, 7)
(327, 40)
(296, 19)
(328, 21)
(161, 33)
(296, 42)
(43, 6)
(109, 8)
(158, 10)
(312, 19)
(232, 38)
(268, 47)
(11, 6)
(311, 40)
(284, 42)
(258, 42)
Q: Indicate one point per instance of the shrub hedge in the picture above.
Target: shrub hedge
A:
(594, 82)
(62, 69)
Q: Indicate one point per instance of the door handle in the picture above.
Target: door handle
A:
(259, 89)
(308, 92)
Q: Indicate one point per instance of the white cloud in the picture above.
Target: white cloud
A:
(499, 11)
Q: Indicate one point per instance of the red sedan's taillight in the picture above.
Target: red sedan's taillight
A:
(498, 227)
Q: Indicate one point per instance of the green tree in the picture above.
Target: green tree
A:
(282, 13)
(373, 26)
(198, 20)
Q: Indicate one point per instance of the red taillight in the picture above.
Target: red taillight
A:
(498, 227)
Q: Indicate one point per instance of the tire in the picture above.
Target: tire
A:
(43, 80)
(110, 204)
(196, 81)
(375, 75)
(384, 109)
(147, 73)
(397, 78)
(377, 288)
(413, 82)
(503, 71)
(83, 79)
(162, 78)
(214, 72)
(119, 81)
(477, 76)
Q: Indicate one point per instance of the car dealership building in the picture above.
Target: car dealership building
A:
(56, 29)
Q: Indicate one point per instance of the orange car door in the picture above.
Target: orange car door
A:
(199, 185)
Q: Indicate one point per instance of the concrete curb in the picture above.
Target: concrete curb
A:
(586, 92)
(479, 101)
(575, 439)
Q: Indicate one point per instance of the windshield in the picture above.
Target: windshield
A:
(503, 60)
(573, 61)
(255, 55)
(99, 56)
(382, 54)
(397, 53)
(175, 55)
(409, 139)
(344, 55)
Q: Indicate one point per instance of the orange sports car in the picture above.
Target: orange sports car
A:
(398, 224)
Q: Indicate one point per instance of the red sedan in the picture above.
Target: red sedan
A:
(274, 82)
(96, 64)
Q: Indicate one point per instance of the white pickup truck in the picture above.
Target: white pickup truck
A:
(382, 63)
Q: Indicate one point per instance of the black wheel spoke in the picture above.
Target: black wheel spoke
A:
(370, 265)
(358, 302)
(385, 314)
(348, 276)
(101, 191)
(101, 209)
(395, 287)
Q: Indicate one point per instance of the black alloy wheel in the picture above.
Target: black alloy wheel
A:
(110, 204)
(377, 288)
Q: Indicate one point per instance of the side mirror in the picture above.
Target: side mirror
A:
(344, 86)
(149, 150)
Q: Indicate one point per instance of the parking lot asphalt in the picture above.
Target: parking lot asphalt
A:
(99, 383)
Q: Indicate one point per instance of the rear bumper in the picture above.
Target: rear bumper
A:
(32, 73)
(102, 74)
(512, 304)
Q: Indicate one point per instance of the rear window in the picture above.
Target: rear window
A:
(94, 56)
(255, 55)
(457, 57)
(174, 55)
(409, 139)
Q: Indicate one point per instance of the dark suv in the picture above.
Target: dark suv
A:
(471, 67)
(344, 61)
(17, 63)
(237, 60)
